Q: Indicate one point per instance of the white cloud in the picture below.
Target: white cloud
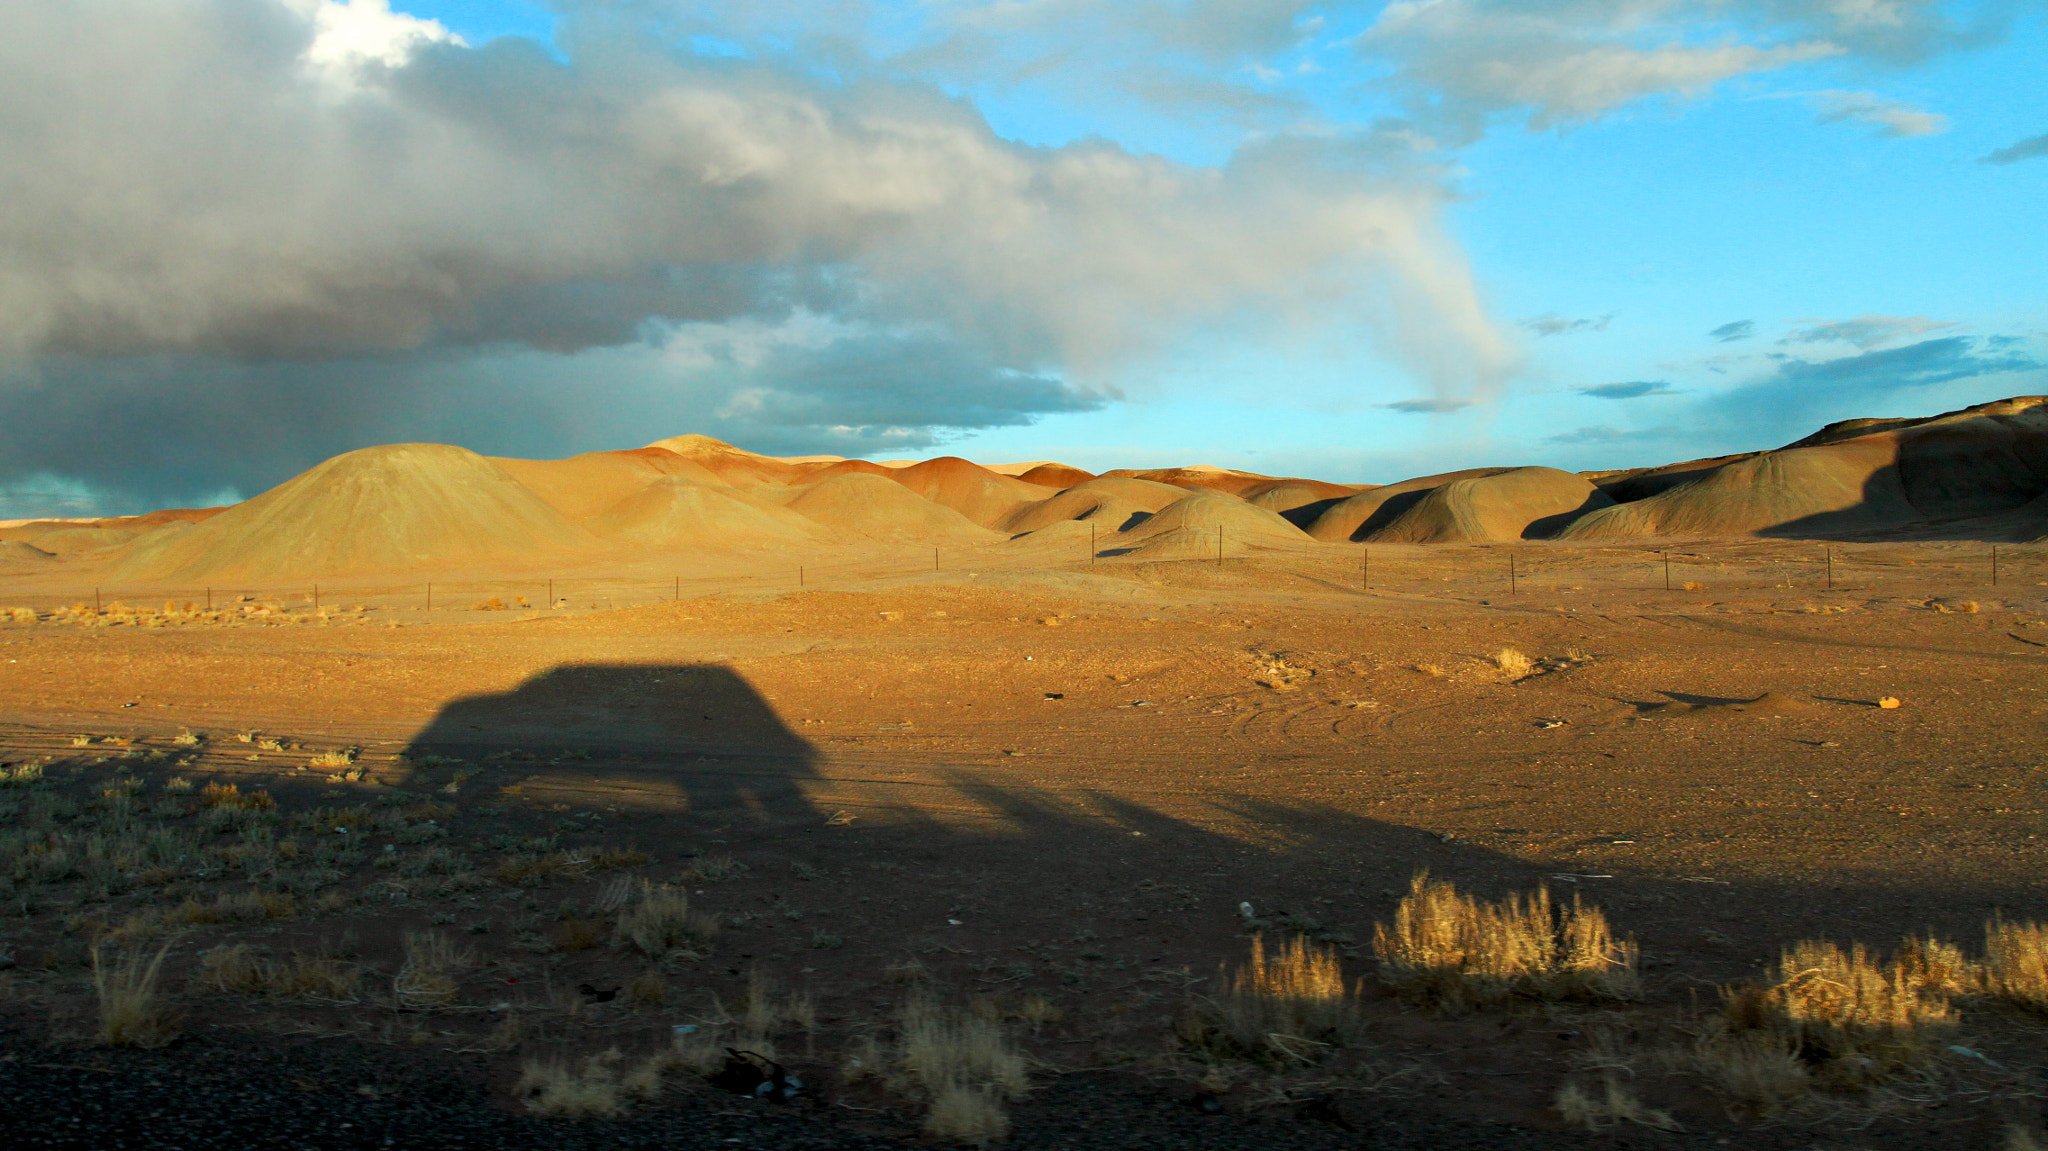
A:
(1865, 332)
(1891, 118)
(1461, 62)
(350, 33)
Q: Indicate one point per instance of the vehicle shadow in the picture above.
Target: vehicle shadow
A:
(697, 755)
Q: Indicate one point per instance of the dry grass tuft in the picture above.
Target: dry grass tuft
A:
(18, 614)
(963, 1114)
(1852, 1021)
(589, 1089)
(1755, 1069)
(430, 976)
(1513, 663)
(230, 796)
(965, 1066)
(2016, 963)
(1293, 1007)
(132, 1013)
(237, 969)
(1611, 1106)
(1452, 951)
(337, 757)
(656, 919)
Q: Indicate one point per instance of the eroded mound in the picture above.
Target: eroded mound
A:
(392, 508)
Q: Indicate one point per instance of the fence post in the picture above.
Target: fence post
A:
(316, 597)
(430, 595)
(799, 575)
(1994, 565)
(1831, 569)
(95, 601)
(209, 599)
(1667, 571)
(679, 589)
(935, 559)
(1091, 543)
(1511, 573)
(1219, 545)
(1365, 571)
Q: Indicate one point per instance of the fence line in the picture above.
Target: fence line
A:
(1477, 570)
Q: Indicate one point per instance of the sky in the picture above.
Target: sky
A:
(1357, 241)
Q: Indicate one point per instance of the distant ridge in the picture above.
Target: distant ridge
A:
(1979, 472)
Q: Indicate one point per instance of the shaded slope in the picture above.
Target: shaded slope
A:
(1111, 503)
(1356, 517)
(1525, 503)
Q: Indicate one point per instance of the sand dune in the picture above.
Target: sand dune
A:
(403, 506)
(1855, 477)
(973, 491)
(1981, 472)
(1055, 476)
(729, 464)
(1525, 503)
(1843, 487)
(588, 485)
(1356, 517)
(1197, 476)
(882, 509)
(1109, 503)
(673, 512)
(1187, 523)
(75, 541)
(19, 554)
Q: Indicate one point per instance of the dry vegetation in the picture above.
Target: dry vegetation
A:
(1448, 950)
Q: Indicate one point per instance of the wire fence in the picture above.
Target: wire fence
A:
(1909, 570)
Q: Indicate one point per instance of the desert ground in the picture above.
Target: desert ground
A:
(377, 848)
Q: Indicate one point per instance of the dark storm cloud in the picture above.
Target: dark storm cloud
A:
(228, 227)
(1629, 391)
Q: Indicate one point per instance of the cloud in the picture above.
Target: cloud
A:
(1891, 118)
(1552, 324)
(1736, 330)
(1459, 63)
(1433, 407)
(2032, 148)
(794, 387)
(237, 217)
(1865, 331)
(1629, 391)
(1798, 395)
(1602, 434)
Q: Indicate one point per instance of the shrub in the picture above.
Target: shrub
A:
(1293, 1007)
(656, 919)
(1853, 1021)
(428, 978)
(132, 1013)
(1452, 951)
(556, 1087)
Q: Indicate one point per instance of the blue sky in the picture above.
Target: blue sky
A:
(1357, 241)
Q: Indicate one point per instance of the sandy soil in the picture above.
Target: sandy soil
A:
(1070, 783)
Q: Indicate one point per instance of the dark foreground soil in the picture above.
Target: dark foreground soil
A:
(233, 1090)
